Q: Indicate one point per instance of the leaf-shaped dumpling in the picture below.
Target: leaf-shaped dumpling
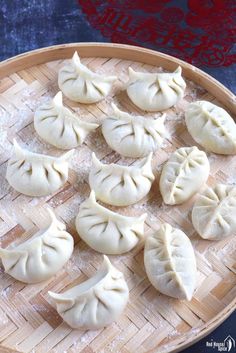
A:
(80, 84)
(155, 91)
(170, 262)
(212, 127)
(58, 126)
(214, 211)
(120, 185)
(36, 174)
(133, 136)
(106, 231)
(95, 303)
(184, 173)
(41, 256)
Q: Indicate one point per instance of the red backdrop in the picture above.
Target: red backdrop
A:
(201, 32)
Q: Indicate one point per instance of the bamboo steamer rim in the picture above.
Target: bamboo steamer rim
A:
(121, 51)
(147, 56)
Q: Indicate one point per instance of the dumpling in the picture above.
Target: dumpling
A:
(36, 174)
(95, 303)
(170, 262)
(155, 91)
(41, 256)
(106, 231)
(212, 127)
(133, 136)
(82, 85)
(58, 126)
(214, 211)
(184, 173)
(119, 185)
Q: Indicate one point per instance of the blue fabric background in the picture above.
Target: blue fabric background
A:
(27, 25)
(31, 24)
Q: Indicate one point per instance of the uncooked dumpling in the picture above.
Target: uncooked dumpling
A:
(95, 303)
(106, 231)
(184, 173)
(120, 185)
(133, 136)
(214, 211)
(170, 262)
(212, 127)
(155, 91)
(41, 256)
(36, 174)
(80, 84)
(58, 126)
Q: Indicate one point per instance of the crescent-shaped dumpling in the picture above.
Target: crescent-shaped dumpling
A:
(57, 125)
(121, 185)
(155, 91)
(133, 136)
(95, 303)
(41, 256)
(106, 231)
(80, 84)
(36, 174)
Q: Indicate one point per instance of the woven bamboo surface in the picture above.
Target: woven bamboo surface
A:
(151, 321)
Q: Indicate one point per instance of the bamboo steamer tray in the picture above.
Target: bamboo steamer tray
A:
(151, 322)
